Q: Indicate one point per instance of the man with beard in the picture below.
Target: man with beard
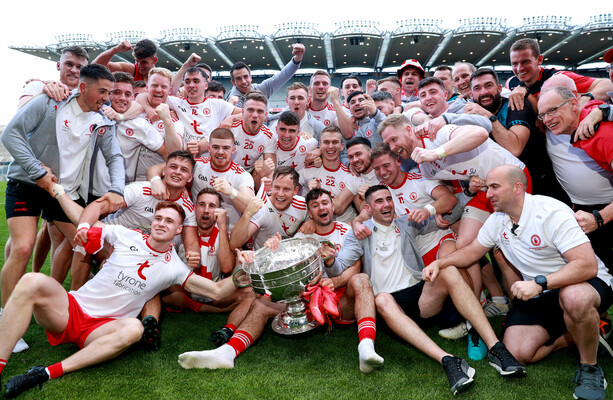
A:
(515, 130)
(410, 73)
(283, 211)
(351, 287)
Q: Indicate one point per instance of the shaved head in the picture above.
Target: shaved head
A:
(512, 174)
(560, 80)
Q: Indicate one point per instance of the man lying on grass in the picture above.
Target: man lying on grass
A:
(100, 317)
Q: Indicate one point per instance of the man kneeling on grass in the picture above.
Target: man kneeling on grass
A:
(100, 317)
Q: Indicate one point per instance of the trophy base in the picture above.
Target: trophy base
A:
(286, 325)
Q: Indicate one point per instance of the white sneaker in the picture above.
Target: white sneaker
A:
(492, 309)
(454, 333)
(20, 346)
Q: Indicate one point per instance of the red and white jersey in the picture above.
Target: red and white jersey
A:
(414, 193)
(331, 180)
(204, 176)
(201, 118)
(133, 274)
(326, 115)
(296, 156)
(209, 263)
(269, 220)
(140, 208)
(133, 133)
(337, 235)
(476, 162)
(250, 147)
(354, 182)
(148, 157)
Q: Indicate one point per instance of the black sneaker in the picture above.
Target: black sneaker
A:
(591, 381)
(18, 384)
(459, 374)
(501, 358)
(221, 336)
(152, 338)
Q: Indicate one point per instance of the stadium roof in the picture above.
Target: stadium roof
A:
(364, 44)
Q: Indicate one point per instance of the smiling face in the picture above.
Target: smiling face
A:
(381, 206)
(558, 117)
(433, 99)
(282, 192)
(70, 69)
(526, 66)
(331, 144)
(399, 140)
(94, 94)
(359, 158)
(221, 152)
(166, 224)
(288, 135)
(205, 210)
(177, 173)
(121, 97)
(297, 101)
(485, 91)
(144, 65)
(158, 89)
(461, 79)
(387, 169)
(254, 115)
(194, 85)
(321, 210)
(355, 106)
(241, 78)
(350, 86)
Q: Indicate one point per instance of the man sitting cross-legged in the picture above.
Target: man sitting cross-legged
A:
(351, 287)
(100, 317)
(391, 259)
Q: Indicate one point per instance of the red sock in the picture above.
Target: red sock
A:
(2, 365)
(240, 341)
(55, 371)
(230, 326)
(191, 304)
(367, 328)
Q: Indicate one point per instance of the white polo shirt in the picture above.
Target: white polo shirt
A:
(547, 229)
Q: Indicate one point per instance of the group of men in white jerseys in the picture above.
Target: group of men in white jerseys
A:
(384, 179)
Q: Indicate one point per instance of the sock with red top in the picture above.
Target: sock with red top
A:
(191, 304)
(367, 328)
(55, 371)
(240, 341)
(2, 365)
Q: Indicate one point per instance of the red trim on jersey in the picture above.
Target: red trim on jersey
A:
(328, 233)
(334, 170)
(296, 145)
(222, 170)
(328, 106)
(236, 124)
(266, 131)
(185, 281)
(406, 176)
(157, 251)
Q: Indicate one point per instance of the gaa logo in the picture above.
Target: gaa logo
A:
(368, 132)
(260, 149)
(302, 149)
(206, 112)
(167, 257)
(413, 196)
(129, 132)
(101, 131)
(535, 240)
(160, 125)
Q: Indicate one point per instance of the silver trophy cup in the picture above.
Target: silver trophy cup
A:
(283, 274)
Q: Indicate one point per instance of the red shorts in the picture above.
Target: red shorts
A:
(80, 325)
(481, 202)
(432, 255)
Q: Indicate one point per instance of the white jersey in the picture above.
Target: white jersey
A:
(209, 263)
(415, 193)
(270, 221)
(326, 115)
(250, 147)
(201, 118)
(204, 176)
(74, 128)
(133, 274)
(580, 176)
(131, 135)
(147, 157)
(296, 156)
(331, 180)
(354, 182)
(337, 235)
(140, 208)
(547, 229)
(476, 162)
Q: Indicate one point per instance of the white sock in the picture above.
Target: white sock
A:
(369, 359)
(20, 346)
(221, 357)
(500, 299)
(468, 325)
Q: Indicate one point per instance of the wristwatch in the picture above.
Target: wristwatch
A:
(541, 280)
(606, 110)
(493, 118)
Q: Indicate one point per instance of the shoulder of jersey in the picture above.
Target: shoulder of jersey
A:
(345, 168)
(237, 168)
(266, 131)
(413, 175)
(299, 203)
(204, 160)
(330, 107)
(238, 123)
(187, 202)
(341, 227)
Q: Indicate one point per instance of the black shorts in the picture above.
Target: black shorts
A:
(27, 200)
(408, 300)
(545, 310)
